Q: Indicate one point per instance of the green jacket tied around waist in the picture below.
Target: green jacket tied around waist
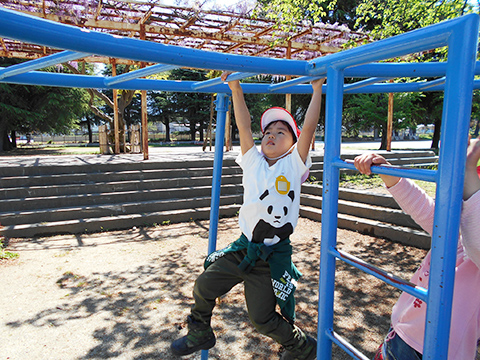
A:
(283, 272)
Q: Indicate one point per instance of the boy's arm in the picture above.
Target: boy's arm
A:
(242, 115)
(311, 120)
(472, 181)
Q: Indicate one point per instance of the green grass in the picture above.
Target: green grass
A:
(6, 255)
(52, 150)
(358, 181)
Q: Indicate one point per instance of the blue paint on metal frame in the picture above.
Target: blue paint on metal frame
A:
(346, 346)
(430, 84)
(232, 77)
(360, 84)
(98, 82)
(35, 30)
(412, 173)
(154, 69)
(222, 103)
(289, 83)
(333, 135)
(41, 63)
(462, 45)
(456, 80)
(401, 284)
(431, 37)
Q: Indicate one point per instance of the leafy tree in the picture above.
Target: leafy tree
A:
(382, 19)
(364, 111)
(386, 18)
(26, 109)
(475, 124)
(160, 109)
(190, 109)
(290, 12)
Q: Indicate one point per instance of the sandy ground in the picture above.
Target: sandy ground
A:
(125, 294)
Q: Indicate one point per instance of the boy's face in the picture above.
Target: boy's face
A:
(277, 139)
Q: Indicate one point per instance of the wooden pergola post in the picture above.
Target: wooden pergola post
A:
(144, 125)
(115, 111)
(390, 121)
(144, 104)
(208, 135)
(288, 97)
(228, 128)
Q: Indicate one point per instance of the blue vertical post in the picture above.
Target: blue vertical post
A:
(457, 104)
(333, 133)
(222, 108)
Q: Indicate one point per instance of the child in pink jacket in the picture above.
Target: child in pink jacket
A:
(405, 338)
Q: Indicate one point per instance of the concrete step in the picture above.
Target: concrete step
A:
(119, 222)
(366, 211)
(56, 175)
(41, 200)
(83, 177)
(401, 234)
(360, 196)
(106, 210)
(115, 197)
(101, 168)
(38, 191)
(369, 213)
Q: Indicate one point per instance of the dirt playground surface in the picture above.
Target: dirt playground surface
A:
(126, 294)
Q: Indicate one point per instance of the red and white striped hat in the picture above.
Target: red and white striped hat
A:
(275, 114)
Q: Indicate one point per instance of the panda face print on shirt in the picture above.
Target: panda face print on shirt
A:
(273, 225)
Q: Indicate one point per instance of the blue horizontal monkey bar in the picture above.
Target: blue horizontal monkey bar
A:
(34, 30)
(459, 35)
(98, 82)
(154, 69)
(400, 171)
(399, 283)
(41, 63)
(360, 84)
(235, 76)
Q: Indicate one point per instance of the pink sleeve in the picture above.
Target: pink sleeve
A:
(415, 202)
(470, 227)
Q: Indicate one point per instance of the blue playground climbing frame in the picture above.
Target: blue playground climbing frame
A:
(455, 77)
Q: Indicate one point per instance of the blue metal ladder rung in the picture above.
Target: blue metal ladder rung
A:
(399, 283)
(345, 345)
(400, 171)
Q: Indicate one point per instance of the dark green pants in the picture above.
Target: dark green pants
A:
(224, 274)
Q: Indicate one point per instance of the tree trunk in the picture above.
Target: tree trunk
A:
(89, 129)
(383, 143)
(436, 133)
(167, 129)
(192, 128)
(201, 129)
(13, 140)
(3, 138)
(5, 144)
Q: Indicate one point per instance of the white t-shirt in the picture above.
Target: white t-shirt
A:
(271, 199)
